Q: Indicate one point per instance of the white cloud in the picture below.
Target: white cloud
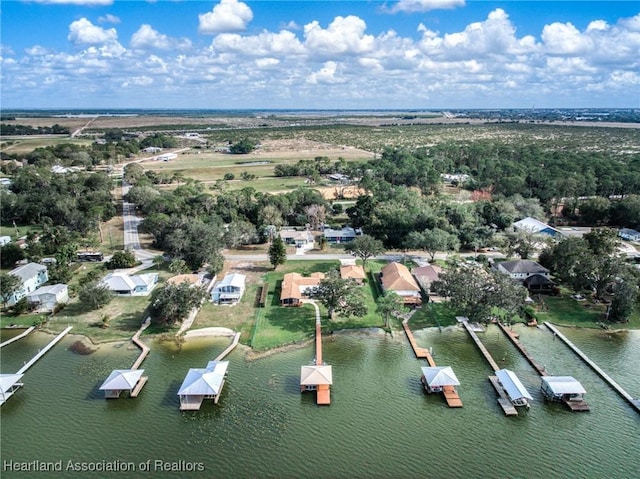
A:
(84, 32)
(411, 6)
(227, 16)
(327, 74)
(564, 39)
(264, 44)
(344, 35)
(108, 18)
(147, 38)
(138, 81)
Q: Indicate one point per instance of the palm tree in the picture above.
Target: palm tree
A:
(388, 305)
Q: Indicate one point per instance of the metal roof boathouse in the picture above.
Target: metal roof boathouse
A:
(436, 378)
(201, 384)
(9, 383)
(565, 389)
(517, 393)
(120, 380)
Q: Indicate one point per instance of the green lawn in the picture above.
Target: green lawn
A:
(566, 311)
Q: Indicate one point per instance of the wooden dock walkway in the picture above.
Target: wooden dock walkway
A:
(19, 336)
(139, 385)
(635, 403)
(504, 402)
(480, 346)
(540, 369)
(44, 350)
(449, 392)
(145, 349)
(323, 393)
(231, 347)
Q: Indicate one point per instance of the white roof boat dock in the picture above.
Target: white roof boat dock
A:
(120, 380)
(9, 383)
(516, 392)
(201, 384)
(565, 389)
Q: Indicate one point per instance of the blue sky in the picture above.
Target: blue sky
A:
(417, 54)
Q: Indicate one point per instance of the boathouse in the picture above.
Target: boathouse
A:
(201, 384)
(562, 389)
(123, 380)
(435, 379)
(313, 376)
(9, 384)
(517, 393)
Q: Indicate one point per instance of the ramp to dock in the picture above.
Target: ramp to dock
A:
(19, 336)
(44, 350)
(541, 370)
(231, 347)
(145, 349)
(635, 403)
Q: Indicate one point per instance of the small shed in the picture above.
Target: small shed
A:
(201, 384)
(562, 388)
(123, 380)
(9, 384)
(435, 378)
(516, 391)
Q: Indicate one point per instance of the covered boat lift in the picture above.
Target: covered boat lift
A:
(123, 380)
(565, 389)
(201, 384)
(9, 384)
(313, 377)
(436, 378)
(517, 393)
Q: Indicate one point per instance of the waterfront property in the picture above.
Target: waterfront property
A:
(521, 269)
(202, 383)
(9, 384)
(124, 285)
(318, 376)
(354, 272)
(45, 298)
(427, 275)
(32, 276)
(229, 290)
(397, 277)
(517, 393)
(565, 389)
(123, 380)
(295, 287)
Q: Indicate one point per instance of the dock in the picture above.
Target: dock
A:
(449, 392)
(540, 369)
(44, 350)
(19, 336)
(231, 347)
(317, 376)
(323, 395)
(635, 403)
(145, 349)
(503, 399)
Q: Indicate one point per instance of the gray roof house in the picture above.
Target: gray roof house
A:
(137, 285)
(31, 275)
(521, 269)
(47, 297)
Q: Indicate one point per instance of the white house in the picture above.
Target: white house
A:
(303, 240)
(534, 226)
(137, 285)
(46, 297)
(31, 275)
(343, 235)
(229, 290)
(521, 269)
(629, 234)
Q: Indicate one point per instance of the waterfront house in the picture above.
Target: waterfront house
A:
(427, 275)
(343, 235)
(629, 234)
(32, 276)
(9, 384)
(354, 272)
(201, 384)
(123, 380)
(124, 285)
(521, 269)
(295, 287)
(45, 298)
(397, 277)
(229, 290)
(302, 240)
(517, 393)
(436, 378)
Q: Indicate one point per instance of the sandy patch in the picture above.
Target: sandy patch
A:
(213, 331)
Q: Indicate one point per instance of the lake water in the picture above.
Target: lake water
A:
(380, 424)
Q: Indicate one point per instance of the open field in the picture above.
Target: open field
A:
(23, 145)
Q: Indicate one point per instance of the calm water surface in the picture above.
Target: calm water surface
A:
(379, 425)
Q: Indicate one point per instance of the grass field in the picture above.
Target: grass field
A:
(566, 311)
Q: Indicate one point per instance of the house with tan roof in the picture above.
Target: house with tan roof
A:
(354, 272)
(295, 287)
(397, 277)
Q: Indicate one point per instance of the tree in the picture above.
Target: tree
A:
(243, 146)
(173, 303)
(9, 285)
(625, 297)
(388, 305)
(178, 266)
(122, 259)
(474, 291)
(158, 261)
(10, 254)
(277, 252)
(94, 295)
(340, 296)
(365, 247)
(602, 241)
(432, 241)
